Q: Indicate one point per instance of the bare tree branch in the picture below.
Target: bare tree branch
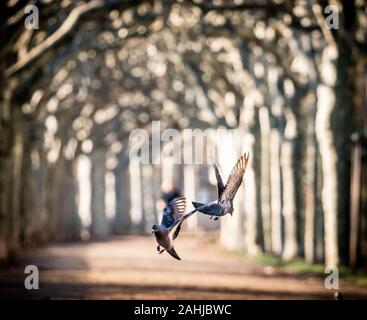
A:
(54, 38)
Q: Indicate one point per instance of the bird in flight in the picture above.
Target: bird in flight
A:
(173, 216)
(226, 193)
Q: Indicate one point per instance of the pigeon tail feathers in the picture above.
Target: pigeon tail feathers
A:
(197, 204)
(173, 253)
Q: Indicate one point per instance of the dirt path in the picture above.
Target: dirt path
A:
(130, 268)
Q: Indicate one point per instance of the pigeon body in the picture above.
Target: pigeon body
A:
(172, 219)
(226, 193)
(212, 208)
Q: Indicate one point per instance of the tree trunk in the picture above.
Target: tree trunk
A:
(232, 235)
(149, 211)
(5, 180)
(27, 195)
(68, 225)
(137, 216)
(40, 234)
(276, 108)
(289, 184)
(332, 132)
(249, 125)
(265, 176)
(15, 188)
(276, 192)
(319, 216)
(122, 222)
(100, 224)
(310, 193)
(355, 202)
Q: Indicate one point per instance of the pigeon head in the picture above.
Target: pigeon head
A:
(155, 228)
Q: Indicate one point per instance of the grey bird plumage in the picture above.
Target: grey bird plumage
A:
(226, 193)
(170, 226)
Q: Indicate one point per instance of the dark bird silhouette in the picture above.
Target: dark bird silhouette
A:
(226, 193)
(172, 219)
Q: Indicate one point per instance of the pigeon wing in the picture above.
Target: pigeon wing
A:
(220, 184)
(235, 178)
(173, 211)
(177, 232)
(178, 223)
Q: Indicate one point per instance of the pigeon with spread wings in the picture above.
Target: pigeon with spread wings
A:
(168, 230)
(226, 193)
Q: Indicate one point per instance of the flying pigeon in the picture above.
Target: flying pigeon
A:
(172, 217)
(226, 193)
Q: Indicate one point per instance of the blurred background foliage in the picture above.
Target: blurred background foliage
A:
(293, 90)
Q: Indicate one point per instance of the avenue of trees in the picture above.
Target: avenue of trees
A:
(293, 89)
